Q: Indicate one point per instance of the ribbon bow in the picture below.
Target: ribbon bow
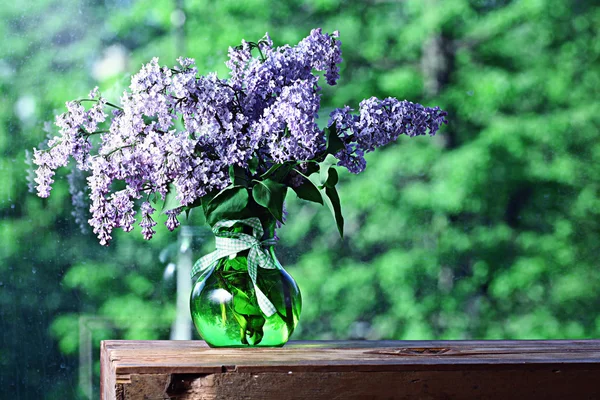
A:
(231, 243)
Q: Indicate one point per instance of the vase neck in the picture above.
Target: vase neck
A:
(268, 226)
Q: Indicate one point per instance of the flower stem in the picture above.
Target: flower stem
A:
(120, 148)
(261, 54)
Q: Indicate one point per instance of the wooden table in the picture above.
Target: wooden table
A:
(352, 370)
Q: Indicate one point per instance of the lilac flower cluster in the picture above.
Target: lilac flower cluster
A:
(76, 126)
(266, 111)
(380, 122)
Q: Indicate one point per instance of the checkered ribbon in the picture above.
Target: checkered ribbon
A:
(230, 243)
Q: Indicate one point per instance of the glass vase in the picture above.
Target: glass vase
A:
(225, 308)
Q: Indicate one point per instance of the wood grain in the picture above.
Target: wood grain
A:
(352, 369)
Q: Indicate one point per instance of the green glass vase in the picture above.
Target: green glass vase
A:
(225, 308)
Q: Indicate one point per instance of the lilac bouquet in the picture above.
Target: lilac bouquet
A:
(230, 146)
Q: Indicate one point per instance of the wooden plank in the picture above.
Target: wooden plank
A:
(508, 384)
(108, 377)
(322, 369)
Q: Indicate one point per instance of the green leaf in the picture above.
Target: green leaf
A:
(253, 165)
(239, 176)
(278, 172)
(334, 143)
(237, 264)
(206, 199)
(227, 204)
(198, 203)
(171, 200)
(324, 167)
(243, 322)
(242, 304)
(332, 199)
(270, 171)
(270, 194)
(308, 190)
(282, 172)
(254, 329)
(332, 179)
(311, 167)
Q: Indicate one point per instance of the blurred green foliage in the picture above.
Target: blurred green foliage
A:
(488, 230)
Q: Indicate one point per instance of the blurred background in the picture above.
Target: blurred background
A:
(489, 230)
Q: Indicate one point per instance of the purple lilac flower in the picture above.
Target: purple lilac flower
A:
(202, 176)
(267, 109)
(95, 115)
(95, 92)
(122, 208)
(323, 53)
(380, 122)
(238, 59)
(71, 142)
(147, 222)
(263, 82)
(44, 172)
(289, 124)
(148, 95)
(351, 157)
(172, 221)
(183, 83)
(99, 183)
